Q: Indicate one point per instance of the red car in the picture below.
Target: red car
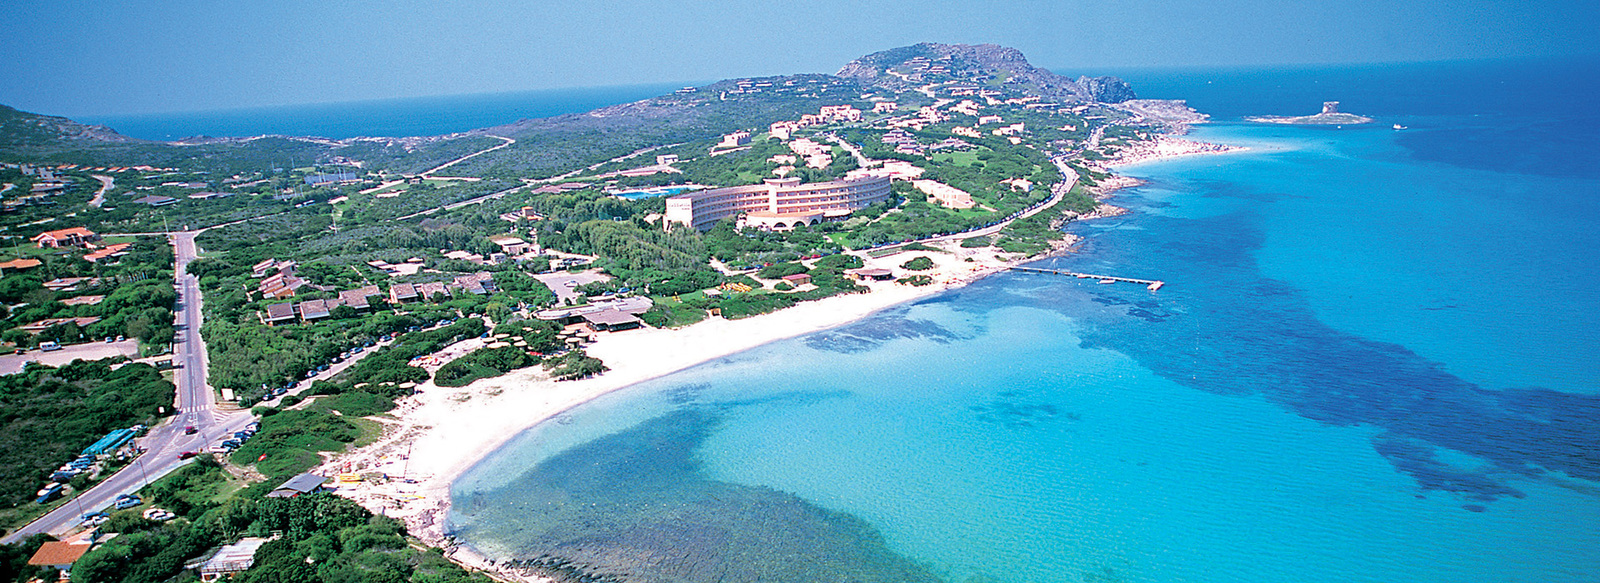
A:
(187, 455)
(190, 430)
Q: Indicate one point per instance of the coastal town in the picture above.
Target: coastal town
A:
(371, 333)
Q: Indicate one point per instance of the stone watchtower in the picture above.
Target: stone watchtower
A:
(1330, 107)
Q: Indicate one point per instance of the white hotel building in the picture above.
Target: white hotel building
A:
(778, 204)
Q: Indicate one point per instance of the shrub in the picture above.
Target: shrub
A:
(778, 270)
(918, 264)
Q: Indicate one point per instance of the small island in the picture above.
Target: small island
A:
(1330, 116)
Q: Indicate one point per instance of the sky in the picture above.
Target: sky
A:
(121, 57)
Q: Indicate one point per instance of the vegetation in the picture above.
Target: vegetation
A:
(323, 538)
(132, 297)
(574, 365)
(920, 263)
(288, 442)
(481, 364)
(48, 415)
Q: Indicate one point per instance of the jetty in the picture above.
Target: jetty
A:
(1151, 284)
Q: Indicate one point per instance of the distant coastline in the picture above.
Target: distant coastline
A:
(408, 117)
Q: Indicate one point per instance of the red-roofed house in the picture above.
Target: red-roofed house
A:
(109, 251)
(59, 555)
(73, 237)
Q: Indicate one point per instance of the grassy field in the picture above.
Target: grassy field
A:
(966, 158)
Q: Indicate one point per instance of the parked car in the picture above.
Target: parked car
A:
(49, 345)
(126, 501)
(49, 493)
(158, 514)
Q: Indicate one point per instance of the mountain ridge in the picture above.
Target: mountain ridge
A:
(551, 145)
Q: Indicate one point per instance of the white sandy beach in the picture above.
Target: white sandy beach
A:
(1166, 148)
(439, 433)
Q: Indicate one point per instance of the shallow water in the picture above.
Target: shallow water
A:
(1373, 361)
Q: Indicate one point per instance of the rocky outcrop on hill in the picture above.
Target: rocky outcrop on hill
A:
(916, 65)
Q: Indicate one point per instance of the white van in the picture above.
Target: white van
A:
(49, 345)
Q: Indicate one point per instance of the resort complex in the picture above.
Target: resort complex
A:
(778, 203)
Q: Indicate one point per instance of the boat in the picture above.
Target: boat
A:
(1399, 127)
(1106, 281)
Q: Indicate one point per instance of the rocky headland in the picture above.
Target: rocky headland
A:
(1330, 116)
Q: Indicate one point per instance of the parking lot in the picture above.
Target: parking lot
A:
(563, 283)
(13, 363)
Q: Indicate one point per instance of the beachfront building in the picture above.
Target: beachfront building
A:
(779, 203)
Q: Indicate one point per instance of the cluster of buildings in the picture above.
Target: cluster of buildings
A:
(777, 204)
(784, 130)
(481, 283)
(816, 155)
(926, 116)
(904, 143)
(46, 184)
(76, 237)
(278, 280)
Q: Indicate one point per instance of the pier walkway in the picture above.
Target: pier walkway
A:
(1152, 284)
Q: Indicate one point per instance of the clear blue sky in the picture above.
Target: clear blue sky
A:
(101, 57)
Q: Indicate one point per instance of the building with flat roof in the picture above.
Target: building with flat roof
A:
(228, 560)
(307, 483)
(783, 202)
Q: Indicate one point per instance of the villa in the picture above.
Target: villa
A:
(73, 237)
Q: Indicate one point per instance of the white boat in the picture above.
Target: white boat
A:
(1399, 127)
(1106, 281)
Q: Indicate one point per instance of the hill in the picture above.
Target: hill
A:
(555, 145)
(986, 65)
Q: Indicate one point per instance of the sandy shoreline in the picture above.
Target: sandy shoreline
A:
(436, 435)
(1164, 148)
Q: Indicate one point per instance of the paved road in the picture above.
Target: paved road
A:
(106, 184)
(436, 169)
(196, 406)
(455, 205)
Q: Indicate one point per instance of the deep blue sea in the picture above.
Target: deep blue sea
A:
(417, 116)
(1377, 358)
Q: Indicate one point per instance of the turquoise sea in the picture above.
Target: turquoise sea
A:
(1375, 359)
